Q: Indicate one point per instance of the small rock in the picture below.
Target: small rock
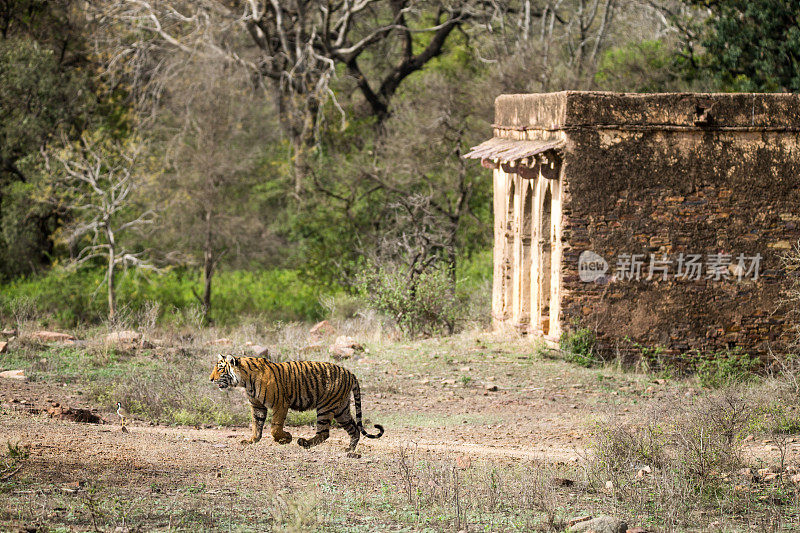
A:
(321, 329)
(464, 369)
(127, 336)
(345, 347)
(795, 479)
(258, 351)
(578, 520)
(52, 336)
(463, 462)
(3, 347)
(75, 415)
(609, 485)
(770, 476)
(14, 374)
(312, 348)
(491, 388)
(601, 524)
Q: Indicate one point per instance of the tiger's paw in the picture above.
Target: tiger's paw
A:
(286, 438)
(303, 442)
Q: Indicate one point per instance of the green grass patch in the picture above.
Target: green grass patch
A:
(67, 298)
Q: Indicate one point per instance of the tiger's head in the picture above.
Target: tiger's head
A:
(225, 372)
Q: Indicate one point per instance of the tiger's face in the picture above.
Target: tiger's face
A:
(224, 372)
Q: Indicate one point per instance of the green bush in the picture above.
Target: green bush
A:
(425, 307)
(726, 367)
(579, 347)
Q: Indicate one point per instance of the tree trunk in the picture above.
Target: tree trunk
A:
(300, 168)
(208, 268)
(112, 294)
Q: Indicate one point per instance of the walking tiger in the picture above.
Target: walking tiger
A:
(298, 385)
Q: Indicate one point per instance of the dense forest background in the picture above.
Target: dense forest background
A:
(213, 160)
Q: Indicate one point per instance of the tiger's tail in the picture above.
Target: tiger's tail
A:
(357, 401)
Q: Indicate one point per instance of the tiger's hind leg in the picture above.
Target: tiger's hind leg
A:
(323, 430)
(345, 419)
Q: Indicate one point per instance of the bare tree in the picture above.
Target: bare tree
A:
(295, 47)
(213, 127)
(98, 185)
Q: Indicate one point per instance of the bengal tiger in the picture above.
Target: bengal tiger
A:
(298, 385)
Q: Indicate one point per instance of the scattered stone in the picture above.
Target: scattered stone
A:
(345, 347)
(313, 348)
(464, 369)
(127, 336)
(257, 350)
(52, 336)
(322, 329)
(491, 388)
(601, 524)
(609, 485)
(14, 374)
(578, 520)
(75, 415)
(463, 462)
(3, 347)
(764, 471)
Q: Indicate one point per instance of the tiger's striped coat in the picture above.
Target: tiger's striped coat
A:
(298, 385)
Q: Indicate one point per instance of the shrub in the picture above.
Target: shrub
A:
(579, 346)
(422, 305)
(726, 367)
(675, 457)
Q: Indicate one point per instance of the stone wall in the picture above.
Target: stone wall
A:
(669, 175)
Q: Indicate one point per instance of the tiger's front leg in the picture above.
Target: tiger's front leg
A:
(259, 416)
(278, 418)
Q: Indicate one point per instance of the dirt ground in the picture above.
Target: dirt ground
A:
(511, 410)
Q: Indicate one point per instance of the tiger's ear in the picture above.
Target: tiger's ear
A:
(231, 360)
(220, 358)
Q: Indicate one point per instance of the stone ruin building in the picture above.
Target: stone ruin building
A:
(657, 219)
